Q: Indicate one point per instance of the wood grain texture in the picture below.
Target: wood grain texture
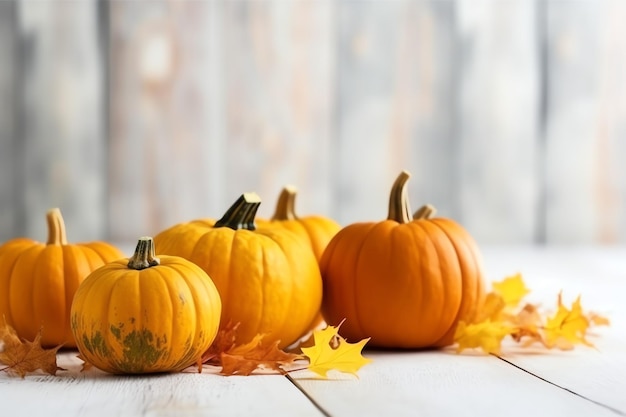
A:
(94, 393)
(584, 144)
(497, 158)
(59, 154)
(444, 384)
(132, 116)
(161, 53)
(8, 128)
(277, 63)
(395, 106)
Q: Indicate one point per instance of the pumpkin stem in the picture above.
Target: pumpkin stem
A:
(241, 214)
(144, 256)
(425, 212)
(399, 209)
(56, 228)
(285, 206)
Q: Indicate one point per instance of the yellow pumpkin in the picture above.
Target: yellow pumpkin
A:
(404, 282)
(268, 277)
(318, 230)
(38, 281)
(145, 314)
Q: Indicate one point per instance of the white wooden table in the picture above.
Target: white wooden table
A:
(583, 382)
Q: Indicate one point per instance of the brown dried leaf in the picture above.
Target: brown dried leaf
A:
(22, 357)
(246, 358)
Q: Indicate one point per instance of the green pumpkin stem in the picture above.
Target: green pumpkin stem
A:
(399, 209)
(56, 228)
(285, 206)
(425, 212)
(144, 256)
(241, 214)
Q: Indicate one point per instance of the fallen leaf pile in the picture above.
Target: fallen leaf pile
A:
(504, 315)
(329, 352)
(245, 358)
(21, 357)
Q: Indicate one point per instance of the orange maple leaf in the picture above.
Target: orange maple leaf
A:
(22, 357)
(246, 358)
(527, 324)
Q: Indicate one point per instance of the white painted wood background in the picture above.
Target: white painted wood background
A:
(134, 115)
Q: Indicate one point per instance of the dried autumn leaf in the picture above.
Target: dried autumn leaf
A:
(598, 320)
(333, 352)
(246, 358)
(22, 357)
(567, 327)
(486, 335)
(224, 341)
(527, 323)
(492, 308)
(512, 289)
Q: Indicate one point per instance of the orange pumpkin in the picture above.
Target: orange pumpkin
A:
(145, 314)
(318, 230)
(38, 281)
(404, 282)
(268, 277)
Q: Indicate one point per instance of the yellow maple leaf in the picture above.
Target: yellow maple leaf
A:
(567, 327)
(486, 335)
(492, 308)
(512, 289)
(333, 352)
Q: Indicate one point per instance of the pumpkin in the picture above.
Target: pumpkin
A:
(267, 276)
(405, 282)
(38, 281)
(145, 314)
(318, 230)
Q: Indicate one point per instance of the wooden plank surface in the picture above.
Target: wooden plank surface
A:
(161, 113)
(598, 275)
(61, 144)
(496, 125)
(8, 127)
(131, 116)
(585, 122)
(278, 103)
(444, 384)
(94, 393)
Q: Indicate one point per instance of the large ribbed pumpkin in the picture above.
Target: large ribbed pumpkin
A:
(404, 282)
(316, 229)
(267, 276)
(38, 281)
(145, 314)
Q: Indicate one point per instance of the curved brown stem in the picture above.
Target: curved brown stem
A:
(56, 227)
(241, 214)
(399, 209)
(425, 212)
(144, 256)
(285, 206)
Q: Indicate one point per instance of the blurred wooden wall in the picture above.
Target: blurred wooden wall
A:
(134, 115)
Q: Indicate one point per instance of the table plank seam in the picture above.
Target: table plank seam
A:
(308, 397)
(606, 406)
